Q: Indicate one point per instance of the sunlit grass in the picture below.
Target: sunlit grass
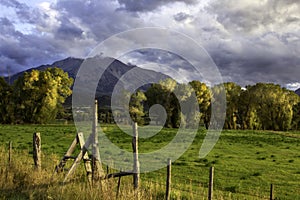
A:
(246, 163)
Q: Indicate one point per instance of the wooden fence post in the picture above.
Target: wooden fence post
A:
(97, 170)
(211, 183)
(136, 164)
(271, 192)
(168, 183)
(9, 152)
(119, 186)
(37, 150)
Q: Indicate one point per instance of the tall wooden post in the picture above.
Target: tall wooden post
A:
(9, 152)
(136, 164)
(168, 183)
(97, 170)
(119, 186)
(271, 192)
(211, 183)
(37, 151)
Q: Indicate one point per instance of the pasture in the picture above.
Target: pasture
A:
(245, 162)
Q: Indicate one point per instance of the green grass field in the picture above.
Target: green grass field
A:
(245, 162)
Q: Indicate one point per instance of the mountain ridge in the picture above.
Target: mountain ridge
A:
(112, 74)
(298, 91)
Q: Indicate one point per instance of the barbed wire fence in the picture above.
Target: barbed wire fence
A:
(194, 184)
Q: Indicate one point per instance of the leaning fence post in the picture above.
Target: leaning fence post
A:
(37, 150)
(168, 183)
(119, 185)
(211, 183)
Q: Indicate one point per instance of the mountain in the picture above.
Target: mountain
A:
(69, 65)
(298, 91)
(110, 77)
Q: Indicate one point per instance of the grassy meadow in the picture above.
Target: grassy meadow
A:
(245, 162)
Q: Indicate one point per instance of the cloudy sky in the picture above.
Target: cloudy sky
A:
(250, 41)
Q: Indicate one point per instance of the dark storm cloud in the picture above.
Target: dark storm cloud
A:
(162, 57)
(256, 63)
(247, 17)
(14, 4)
(181, 16)
(250, 41)
(12, 51)
(100, 18)
(74, 31)
(31, 16)
(68, 30)
(146, 5)
(19, 51)
(7, 27)
(261, 43)
(24, 12)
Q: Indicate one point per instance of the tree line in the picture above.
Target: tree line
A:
(263, 106)
(38, 97)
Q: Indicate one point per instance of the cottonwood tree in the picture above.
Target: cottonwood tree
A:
(233, 92)
(269, 107)
(162, 93)
(172, 95)
(136, 107)
(203, 95)
(38, 95)
(5, 101)
(296, 116)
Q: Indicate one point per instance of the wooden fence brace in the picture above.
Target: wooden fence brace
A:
(271, 192)
(136, 164)
(68, 154)
(115, 175)
(37, 151)
(97, 170)
(211, 183)
(168, 182)
(9, 152)
(83, 155)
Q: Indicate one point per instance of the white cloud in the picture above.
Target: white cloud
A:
(293, 86)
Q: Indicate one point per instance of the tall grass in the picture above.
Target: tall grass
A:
(20, 180)
(246, 163)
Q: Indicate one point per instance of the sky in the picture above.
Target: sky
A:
(250, 41)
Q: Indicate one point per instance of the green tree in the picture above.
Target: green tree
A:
(177, 99)
(233, 92)
(203, 95)
(296, 116)
(162, 93)
(267, 106)
(5, 101)
(248, 118)
(136, 107)
(38, 95)
(186, 108)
